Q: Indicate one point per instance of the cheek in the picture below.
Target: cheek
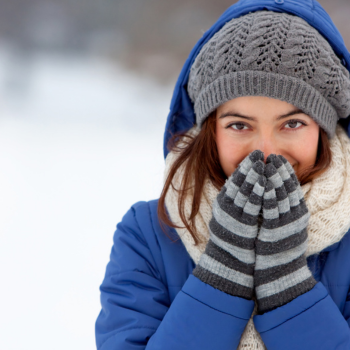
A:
(304, 152)
(308, 154)
(231, 152)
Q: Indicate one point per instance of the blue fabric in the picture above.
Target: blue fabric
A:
(150, 300)
(181, 116)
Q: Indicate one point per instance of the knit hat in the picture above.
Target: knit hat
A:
(271, 54)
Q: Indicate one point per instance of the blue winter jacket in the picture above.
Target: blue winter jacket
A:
(150, 300)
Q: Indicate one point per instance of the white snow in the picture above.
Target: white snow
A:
(80, 142)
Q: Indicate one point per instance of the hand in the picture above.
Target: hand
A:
(228, 260)
(281, 271)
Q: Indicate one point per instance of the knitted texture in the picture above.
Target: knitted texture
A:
(281, 272)
(228, 261)
(271, 54)
(327, 199)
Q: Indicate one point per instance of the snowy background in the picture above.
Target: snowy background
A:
(85, 88)
(80, 142)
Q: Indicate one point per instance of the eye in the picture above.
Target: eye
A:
(238, 126)
(294, 124)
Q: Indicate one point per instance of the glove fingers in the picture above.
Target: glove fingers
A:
(238, 177)
(270, 206)
(245, 190)
(280, 166)
(281, 193)
(254, 202)
(276, 218)
(256, 156)
(293, 176)
(239, 215)
(281, 209)
(231, 188)
(289, 169)
(288, 176)
(252, 158)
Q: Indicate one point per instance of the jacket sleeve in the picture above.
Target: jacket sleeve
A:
(136, 310)
(311, 321)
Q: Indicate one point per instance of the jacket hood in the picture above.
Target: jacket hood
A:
(181, 115)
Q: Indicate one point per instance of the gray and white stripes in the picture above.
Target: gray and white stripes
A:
(281, 272)
(229, 258)
(241, 257)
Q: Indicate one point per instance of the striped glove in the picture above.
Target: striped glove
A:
(228, 261)
(281, 271)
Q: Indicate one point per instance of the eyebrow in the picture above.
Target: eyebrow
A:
(234, 114)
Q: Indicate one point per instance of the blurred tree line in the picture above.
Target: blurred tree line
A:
(152, 36)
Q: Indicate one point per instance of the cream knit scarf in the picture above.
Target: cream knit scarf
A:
(327, 198)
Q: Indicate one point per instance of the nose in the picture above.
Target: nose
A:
(268, 145)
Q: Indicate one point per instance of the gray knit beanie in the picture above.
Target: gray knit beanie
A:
(276, 55)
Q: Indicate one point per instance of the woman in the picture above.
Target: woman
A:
(248, 245)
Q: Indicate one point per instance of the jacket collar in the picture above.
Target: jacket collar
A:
(335, 245)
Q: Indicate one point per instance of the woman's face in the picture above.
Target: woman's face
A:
(248, 123)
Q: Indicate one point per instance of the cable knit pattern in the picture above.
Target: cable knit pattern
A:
(327, 199)
(271, 54)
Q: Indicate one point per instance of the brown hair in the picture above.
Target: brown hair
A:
(200, 157)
